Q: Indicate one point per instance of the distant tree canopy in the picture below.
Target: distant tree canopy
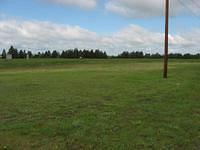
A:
(83, 54)
(139, 54)
(3, 54)
(76, 53)
(55, 54)
(71, 53)
(14, 52)
(133, 54)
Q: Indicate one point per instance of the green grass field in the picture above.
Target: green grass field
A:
(99, 104)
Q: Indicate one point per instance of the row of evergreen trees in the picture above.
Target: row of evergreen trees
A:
(139, 54)
(72, 53)
(15, 53)
(75, 53)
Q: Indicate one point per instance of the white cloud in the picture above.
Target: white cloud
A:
(36, 35)
(86, 4)
(150, 8)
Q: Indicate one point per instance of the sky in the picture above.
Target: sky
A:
(110, 25)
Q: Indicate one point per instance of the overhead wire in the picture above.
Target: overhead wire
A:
(196, 3)
(188, 8)
(192, 13)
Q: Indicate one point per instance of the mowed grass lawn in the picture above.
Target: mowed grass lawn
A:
(99, 104)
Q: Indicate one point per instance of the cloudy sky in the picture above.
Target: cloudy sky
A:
(110, 25)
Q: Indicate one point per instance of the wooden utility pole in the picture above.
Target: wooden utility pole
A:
(165, 72)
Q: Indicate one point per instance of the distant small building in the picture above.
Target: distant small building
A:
(27, 56)
(8, 56)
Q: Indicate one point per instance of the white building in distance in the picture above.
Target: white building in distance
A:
(8, 56)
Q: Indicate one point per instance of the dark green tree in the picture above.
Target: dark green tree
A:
(76, 53)
(22, 54)
(55, 54)
(30, 54)
(3, 54)
(156, 55)
(124, 54)
(13, 51)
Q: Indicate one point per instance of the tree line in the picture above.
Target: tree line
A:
(71, 53)
(76, 53)
(140, 54)
(15, 53)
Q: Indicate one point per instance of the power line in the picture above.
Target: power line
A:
(192, 13)
(189, 5)
(188, 8)
(196, 3)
